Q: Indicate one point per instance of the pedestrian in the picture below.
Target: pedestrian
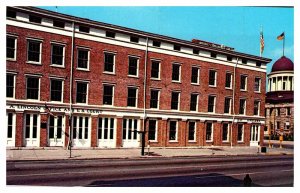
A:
(247, 181)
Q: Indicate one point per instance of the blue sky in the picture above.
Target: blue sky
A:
(237, 27)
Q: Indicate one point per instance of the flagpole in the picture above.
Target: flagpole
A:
(283, 44)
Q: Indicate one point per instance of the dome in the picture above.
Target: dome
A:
(283, 64)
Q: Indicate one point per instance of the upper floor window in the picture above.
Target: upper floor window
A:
(81, 92)
(133, 68)
(83, 58)
(57, 54)
(258, 64)
(244, 61)
(84, 29)
(154, 99)
(33, 87)
(229, 58)
(108, 94)
(59, 24)
(194, 102)
(11, 14)
(134, 39)
(211, 104)
(10, 85)
(228, 81)
(242, 110)
(34, 51)
(175, 100)
(256, 107)
(243, 82)
(156, 43)
(257, 82)
(11, 45)
(195, 75)
(196, 51)
(109, 62)
(177, 47)
(227, 105)
(132, 97)
(213, 55)
(35, 19)
(110, 34)
(288, 111)
(176, 72)
(56, 90)
(212, 78)
(155, 69)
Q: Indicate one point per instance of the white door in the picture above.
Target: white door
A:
(130, 133)
(11, 129)
(81, 131)
(56, 130)
(106, 132)
(32, 130)
(254, 135)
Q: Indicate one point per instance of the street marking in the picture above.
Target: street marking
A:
(142, 169)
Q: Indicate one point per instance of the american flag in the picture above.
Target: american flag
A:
(262, 43)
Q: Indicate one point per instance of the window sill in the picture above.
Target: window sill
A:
(154, 108)
(133, 76)
(11, 59)
(175, 81)
(57, 66)
(173, 141)
(212, 86)
(35, 63)
(190, 141)
(195, 84)
(243, 90)
(156, 79)
(33, 100)
(228, 88)
(83, 69)
(258, 92)
(109, 73)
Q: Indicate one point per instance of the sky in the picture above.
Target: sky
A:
(234, 26)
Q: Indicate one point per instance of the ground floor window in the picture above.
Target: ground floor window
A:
(225, 132)
(31, 131)
(81, 131)
(173, 131)
(106, 128)
(152, 130)
(130, 128)
(209, 132)
(56, 130)
(192, 129)
(10, 118)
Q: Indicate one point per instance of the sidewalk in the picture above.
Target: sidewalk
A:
(61, 153)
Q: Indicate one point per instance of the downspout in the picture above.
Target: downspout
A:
(145, 83)
(233, 99)
(71, 89)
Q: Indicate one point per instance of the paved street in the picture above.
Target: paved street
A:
(155, 172)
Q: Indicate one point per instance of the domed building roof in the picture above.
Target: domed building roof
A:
(283, 64)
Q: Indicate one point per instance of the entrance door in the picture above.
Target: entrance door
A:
(56, 131)
(130, 133)
(106, 132)
(81, 131)
(32, 130)
(254, 135)
(11, 129)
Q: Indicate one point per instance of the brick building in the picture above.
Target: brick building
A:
(100, 84)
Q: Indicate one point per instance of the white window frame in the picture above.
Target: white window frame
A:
(197, 102)
(228, 131)
(109, 128)
(114, 64)
(240, 141)
(62, 88)
(88, 62)
(137, 67)
(158, 98)
(215, 98)
(156, 124)
(230, 80)
(230, 105)
(64, 51)
(16, 45)
(246, 82)
(244, 106)
(176, 81)
(136, 96)
(258, 110)
(195, 131)
(259, 88)
(41, 54)
(113, 94)
(159, 70)
(198, 78)
(14, 92)
(215, 82)
(87, 91)
(178, 107)
(176, 135)
(35, 76)
(212, 132)
(13, 134)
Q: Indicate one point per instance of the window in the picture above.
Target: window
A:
(152, 130)
(195, 75)
(212, 77)
(34, 51)
(130, 128)
(244, 61)
(277, 111)
(106, 128)
(80, 127)
(288, 111)
(229, 58)
(57, 54)
(109, 62)
(243, 82)
(110, 34)
(10, 85)
(195, 51)
(81, 92)
(258, 64)
(134, 39)
(56, 90)
(176, 72)
(155, 66)
(192, 131)
(32, 88)
(256, 107)
(10, 125)
(209, 132)
(240, 135)
(31, 126)
(59, 24)
(211, 104)
(84, 29)
(194, 102)
(175, 100)
(132, 97)
(173, 131)
(227, 105)
(35, 19)
(133, 68)
(257, 84)
(213, 55)
(278, 125)
(242, 110)
(11, 44)
(11, 14)
(176, 47)
(156, 43)
(228, 81)
(108, 94)
(83, 58)
(225, 133)
(154, 101)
